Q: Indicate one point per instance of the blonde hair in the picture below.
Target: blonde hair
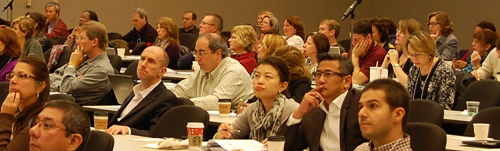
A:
(26, 25)
(246, 37)
(295, 61)
(172, 31)
(271, 42)
(421, 42)
(267, 13)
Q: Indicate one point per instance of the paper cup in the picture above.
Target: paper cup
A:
(195, 135)
(375, 73)
(121, 52)
(101, 121)
(472, 107)
(196, 66)
(481, 131)
(276, 143)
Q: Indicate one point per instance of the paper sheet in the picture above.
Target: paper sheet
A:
(246, 145)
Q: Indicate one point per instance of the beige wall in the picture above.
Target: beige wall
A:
(116, 14)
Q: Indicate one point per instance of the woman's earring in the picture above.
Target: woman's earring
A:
(37, 95)
(279, 91)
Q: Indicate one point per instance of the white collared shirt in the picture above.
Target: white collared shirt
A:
(330, 135)
(138, 96)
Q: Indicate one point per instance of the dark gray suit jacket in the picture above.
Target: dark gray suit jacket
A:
(146, 114)
(447, 47)
(308, 132)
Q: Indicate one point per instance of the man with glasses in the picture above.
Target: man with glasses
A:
(142, 31)
(188, 21)
(366, 52)
(327, 118)
(219, 77)
(54, 27)
(211, 23)
(85, 75)
(61, 126)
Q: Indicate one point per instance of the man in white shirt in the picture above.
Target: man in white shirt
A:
(219, 77)
(142, 109)
(384, 105)
(327, 118)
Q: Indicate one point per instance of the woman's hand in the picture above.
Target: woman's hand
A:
(11, 103)
(475, 59)
(225, 129)
(241, 107)
(393, 56)
(459, 64)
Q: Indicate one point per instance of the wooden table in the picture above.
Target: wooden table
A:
(456, 117)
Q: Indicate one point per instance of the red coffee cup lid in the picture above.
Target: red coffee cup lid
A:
(195, 125)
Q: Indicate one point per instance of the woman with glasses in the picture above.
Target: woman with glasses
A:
(10, 51)
(315, 44)
(300, 76)
(441, 29)
(294, 31)
(28, 92)
(24, 28)
(243, 38)
(430, 78)
(397, 58)
(484, 42)
(168, 39)
(264, 117)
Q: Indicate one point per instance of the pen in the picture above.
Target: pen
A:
(235, 131)
(244, 102)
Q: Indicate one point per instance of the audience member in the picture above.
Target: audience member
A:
(331, 29)
(490, 66)
(188, 24)
(441, 29)
(380, 32)
(300, 76)
(10, 51)
(294, 31)
(270, 25)
(366, 52)
(38, 33)
(327, 118)
(243, 38)
(480, 26)
(142, 31)
(168, 39)
(62, 125)
(315, 45)
(87, 15)
(24, 28)
(398, 59)
(264, 117)
(55, 26)
(219, 76)
(85, 76)
(212, 23)
(484, 42)
(269, 44)
(261, 16)
(28, 91)
(430, 78)
(142, 109)
(384, 108)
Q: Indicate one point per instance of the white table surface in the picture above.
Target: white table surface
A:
(454, 142)
(177, 75)
(214, 117)
(131, 58)
(456, 117)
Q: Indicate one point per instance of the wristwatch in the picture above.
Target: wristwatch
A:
(395, 65)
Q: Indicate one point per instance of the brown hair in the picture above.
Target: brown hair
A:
(410, 26)
(271, 42)
(26, 25)
(39, 20)
(321, 42)
(485, 37)
(41, 72)
(444, 20)
(295, 62)
(172, 31)
(332, 25)
(296, 22)
(96, 30)
(9, 38)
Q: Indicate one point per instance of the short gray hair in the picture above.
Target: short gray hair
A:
(58, 8)
(215, 42)
(217, 21)
(142, 13)
(274, 23)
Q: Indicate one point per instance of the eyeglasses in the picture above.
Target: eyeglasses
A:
(328, 74)
(9, 76)
(44, 126)
(433, 24)
(201, 53)
(205, 23)
(411, 55)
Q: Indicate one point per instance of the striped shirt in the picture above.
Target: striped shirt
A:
(229, 80)
(402, 144)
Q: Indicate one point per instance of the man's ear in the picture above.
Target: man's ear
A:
(332, 32)
(399, 113)
(75, 141)
(369, 36)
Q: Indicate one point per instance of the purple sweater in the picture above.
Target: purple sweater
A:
(7, 69)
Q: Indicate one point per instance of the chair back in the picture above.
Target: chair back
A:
(187, 40)
(109, 99)
(486, 116)
(100, 141)
(4, 90)
(485, 91)
(113, 36)
(132, 70)
(173, 122)
(60, 40)
(426, 137)
(115, 60)
(139, 48)
(49, 44)
(346, 43)
(426, 111)
(62, 96)
(184, 101)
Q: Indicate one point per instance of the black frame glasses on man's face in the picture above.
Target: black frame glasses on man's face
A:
(328, 74)
(201, 53)
(44, 125)
(25, 76)
(205, 23)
